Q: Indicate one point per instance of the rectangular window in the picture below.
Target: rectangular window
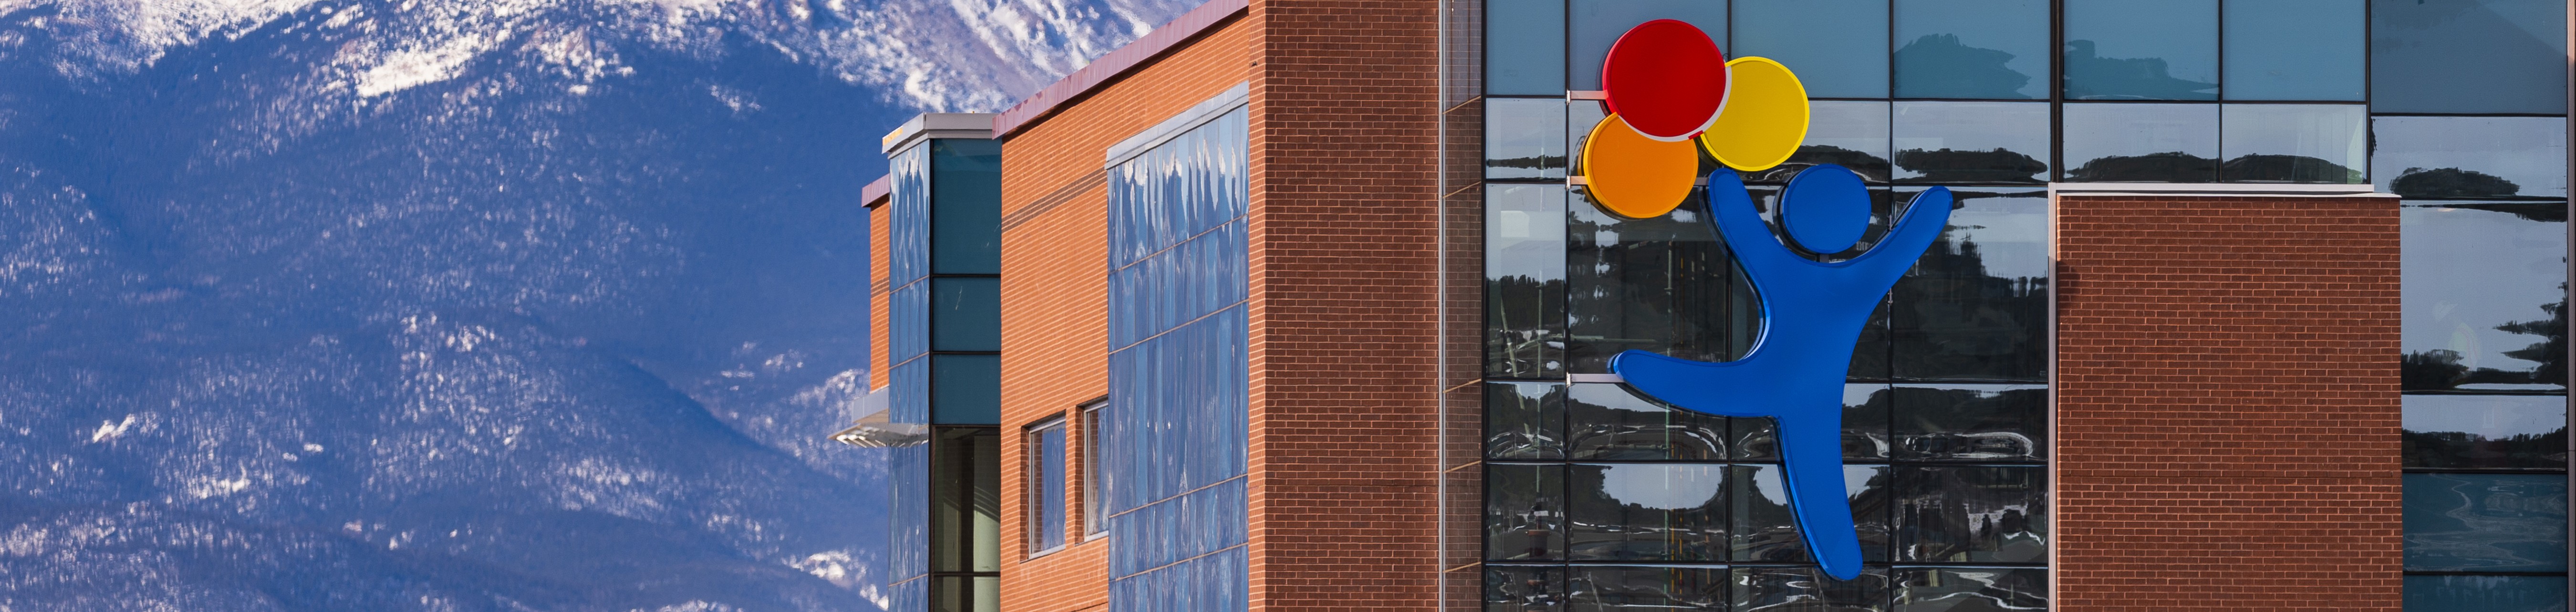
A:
(1095, 515)
(1043, 445)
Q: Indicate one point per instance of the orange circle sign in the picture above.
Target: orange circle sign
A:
(1635, 176)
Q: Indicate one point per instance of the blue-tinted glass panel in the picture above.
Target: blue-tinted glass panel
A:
(1525, 281)
(1524, 512)
(2486, 431)
(1524, 588)
(1975, 307)
(966, 389)
(965, 314)
(1664, 285)
(1524, 420)
(908, 511)
(2295, 50)
(909, 386)
(1851, 134)
(1971, 142)
(2132, 50)
(2486, 522)
(2468, 56)
(1764, 530)
(1970, 589)
(1965, 422)
(908, 228)
(2293, 143)
(1178, 285)
(1865, 422)
(1184, 187)
(2469, 157)
(966, 206)
(1046, 512)
(1167, 531)
(1975, 49)
(1525, 47)
(1646, 512)
(1807, 588)
(1177, 410)
(1620, 588)
(1607, 422)
(2481, 299)
(2486, 594)
(1972, 514)
(908, 321)
(2141, 143)
(1598, 23)
(1837, 47)
(909, 595)
(1525, 138)
(1213, 583)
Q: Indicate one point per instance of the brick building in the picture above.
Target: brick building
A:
(1311, 304)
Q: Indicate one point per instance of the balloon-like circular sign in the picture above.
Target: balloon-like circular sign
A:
(1667, 78)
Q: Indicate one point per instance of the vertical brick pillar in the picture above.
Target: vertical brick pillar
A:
(1344, 305)
(2227, 407)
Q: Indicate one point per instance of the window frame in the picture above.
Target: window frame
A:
(1086, 437)
(1033, 470)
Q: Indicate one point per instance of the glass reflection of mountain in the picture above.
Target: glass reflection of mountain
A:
(1953, 166)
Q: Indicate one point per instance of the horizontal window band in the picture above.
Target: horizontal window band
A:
(2487, 471)
(1771, 564)
(1756, 462)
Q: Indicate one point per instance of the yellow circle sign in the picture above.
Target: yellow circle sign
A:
(1765, 117)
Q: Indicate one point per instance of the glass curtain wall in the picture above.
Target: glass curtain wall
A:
(1596, 498)
(944, 345)
(1176, 426)
(2468, 124)
(2458, 106)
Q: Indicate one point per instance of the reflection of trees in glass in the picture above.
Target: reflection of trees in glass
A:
(1535, 163)
(1955, 322)
(2455, 449)
(2290, 168)
(1520, 342)
(2441, 368)
(2093, 77)
(1869, 167)
(1939, 66)
(2170, 166)
(1663, 285)
(2450, 183)
(1950, 166)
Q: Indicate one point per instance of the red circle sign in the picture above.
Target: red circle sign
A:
(1666, 77)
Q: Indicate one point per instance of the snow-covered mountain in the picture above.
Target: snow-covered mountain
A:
(451, 305)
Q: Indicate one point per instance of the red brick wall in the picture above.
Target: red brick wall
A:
(2227, 404)
(1344, 319)
(1055, 283)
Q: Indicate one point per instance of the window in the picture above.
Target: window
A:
(1095, 515)
(1043, 444)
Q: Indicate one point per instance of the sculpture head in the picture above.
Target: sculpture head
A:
(1825, 209)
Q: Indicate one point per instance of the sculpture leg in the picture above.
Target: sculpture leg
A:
(1811, 446)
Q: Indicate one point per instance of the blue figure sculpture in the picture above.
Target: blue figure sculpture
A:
(1812, 312)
